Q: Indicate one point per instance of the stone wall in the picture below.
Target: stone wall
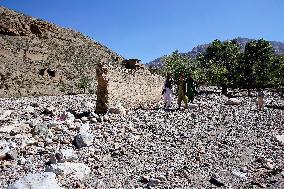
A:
(128, 87)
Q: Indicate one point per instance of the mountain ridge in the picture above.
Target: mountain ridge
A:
(158, 63)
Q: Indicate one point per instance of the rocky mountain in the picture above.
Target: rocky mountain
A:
(158, 63)
(40, 58)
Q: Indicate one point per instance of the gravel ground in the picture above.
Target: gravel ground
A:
(210, 145)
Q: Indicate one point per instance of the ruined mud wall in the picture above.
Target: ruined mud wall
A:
(128, 87)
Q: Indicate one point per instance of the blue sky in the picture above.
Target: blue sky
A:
(148, 29)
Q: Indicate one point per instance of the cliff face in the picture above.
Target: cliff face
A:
(40, 58)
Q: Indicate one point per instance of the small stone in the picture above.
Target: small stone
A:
(41, 130)
(29, 109)
(49, 111)
(4, 149)
(244, 169)
(22, 161)
(101, 173)
(93, 120)
(269, 164)
(12, 154)
(145, 179)
(242, 176)
(101, 119)
(280, 138)
(192, 106)
(94, 115)
(153, 182)
(65, 155)
(85, 127)
(31, 141)
(69, 118)
(215, 180)
(84, 140)
(5, 113)
(161, 178)
(40, 144)
(233, 101)
(84, 119)
(106, 118)
(119, 109)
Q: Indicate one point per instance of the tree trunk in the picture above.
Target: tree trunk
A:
(249, 91)
(224, 89)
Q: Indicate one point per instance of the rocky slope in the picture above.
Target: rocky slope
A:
(158, 63)
(59, 142)
(40, 58)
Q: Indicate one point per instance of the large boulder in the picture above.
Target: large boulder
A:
(78, 171)
(37, 181)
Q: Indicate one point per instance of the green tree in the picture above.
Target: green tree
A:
(84, 83)
(220, 62)
(176, 64)
(276, 73)
(257, 59)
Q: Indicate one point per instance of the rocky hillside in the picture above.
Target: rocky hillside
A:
(59, 142)
(40, 58)
(158, 63)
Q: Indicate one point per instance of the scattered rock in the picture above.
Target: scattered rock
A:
(177, 149)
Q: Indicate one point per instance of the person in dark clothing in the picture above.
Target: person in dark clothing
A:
(167, 91)
(190, 88)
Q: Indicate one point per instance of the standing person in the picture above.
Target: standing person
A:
(167, 91)
(181, 92)
(190, 88)
(260, 100)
